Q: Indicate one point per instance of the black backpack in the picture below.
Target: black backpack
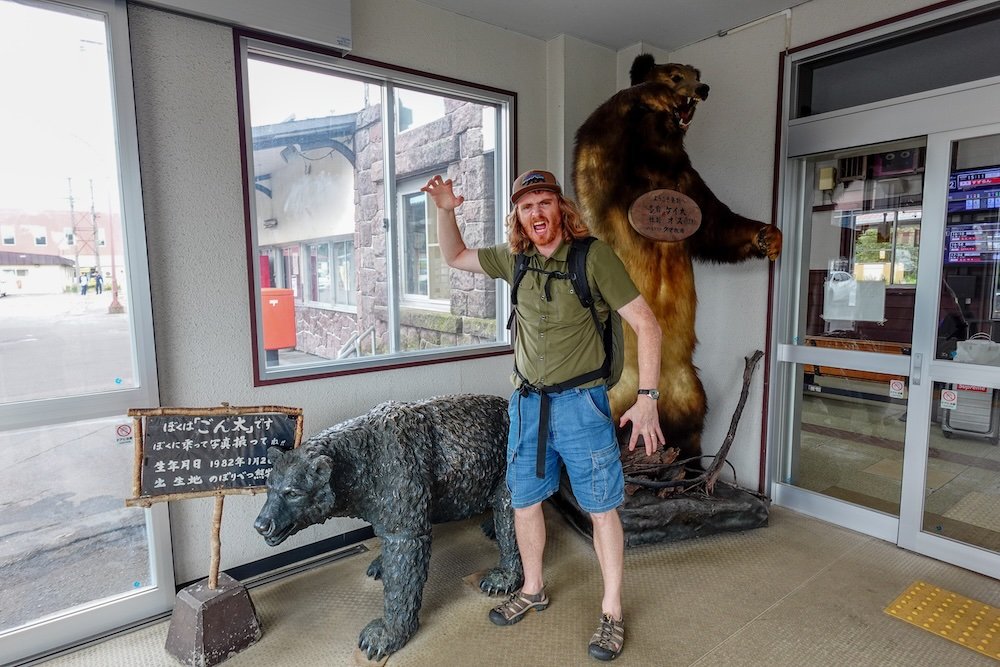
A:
(610, 332)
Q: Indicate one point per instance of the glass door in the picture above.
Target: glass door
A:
(76, 342)
(857, 243)
(951, 481)
(890, 365)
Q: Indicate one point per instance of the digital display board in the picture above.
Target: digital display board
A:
(974, 190)
(974, 243)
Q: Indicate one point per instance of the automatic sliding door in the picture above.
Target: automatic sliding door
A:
(951, 493)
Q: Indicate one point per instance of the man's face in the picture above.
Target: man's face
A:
(540, 218)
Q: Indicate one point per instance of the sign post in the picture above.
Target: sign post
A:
(183, 453)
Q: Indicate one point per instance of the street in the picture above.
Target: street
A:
(66, 537)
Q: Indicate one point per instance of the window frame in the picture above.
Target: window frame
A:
(250, 43)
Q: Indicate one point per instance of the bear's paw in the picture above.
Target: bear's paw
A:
(500, 581)
(378, 641)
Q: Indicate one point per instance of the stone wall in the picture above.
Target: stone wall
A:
(452, 146)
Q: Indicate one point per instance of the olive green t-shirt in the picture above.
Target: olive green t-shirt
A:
(556, 340)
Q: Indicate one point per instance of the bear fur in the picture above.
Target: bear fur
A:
(631, 144)
(401, 467)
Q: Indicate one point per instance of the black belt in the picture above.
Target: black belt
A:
(543, 423)
(543, 408)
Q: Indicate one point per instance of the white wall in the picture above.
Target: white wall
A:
(192, 188)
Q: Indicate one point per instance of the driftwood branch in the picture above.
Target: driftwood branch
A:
(710, 476)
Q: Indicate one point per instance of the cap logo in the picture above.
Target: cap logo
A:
(533, 178)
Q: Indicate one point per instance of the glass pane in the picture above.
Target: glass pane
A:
(862, 234)
(963, 468)
(366, 281)
(415, 243)
(847, 438)
(66, 538)
(936, 56)
(970, 293)
(63, 321)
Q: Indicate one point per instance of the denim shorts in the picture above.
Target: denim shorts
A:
(581, 436)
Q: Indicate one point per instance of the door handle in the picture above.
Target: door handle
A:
(916, 364)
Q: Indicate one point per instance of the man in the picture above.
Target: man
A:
(556, 341)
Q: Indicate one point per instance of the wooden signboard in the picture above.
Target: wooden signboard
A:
(195, 452)
(183, 453)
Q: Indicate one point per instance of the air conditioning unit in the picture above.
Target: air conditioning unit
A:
(852, 168)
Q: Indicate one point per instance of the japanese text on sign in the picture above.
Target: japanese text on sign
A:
(665, 215)
(207, 453)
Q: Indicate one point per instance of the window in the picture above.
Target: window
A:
(69, 238)
(863, 221)
(934, 56)
(337, 152)
(68, 133)
(425, 274)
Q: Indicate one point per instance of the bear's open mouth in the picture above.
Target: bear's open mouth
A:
(280, 536)
(685, 111)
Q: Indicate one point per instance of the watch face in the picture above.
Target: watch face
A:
(654, 394)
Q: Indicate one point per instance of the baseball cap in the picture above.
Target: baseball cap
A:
(534, 179)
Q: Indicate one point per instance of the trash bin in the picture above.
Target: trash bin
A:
(278, 316)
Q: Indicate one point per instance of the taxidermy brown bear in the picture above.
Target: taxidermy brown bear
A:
(633, 144)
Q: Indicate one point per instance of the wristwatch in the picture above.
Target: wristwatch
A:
(652, 393)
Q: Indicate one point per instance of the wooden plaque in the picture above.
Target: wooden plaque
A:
(185, 453)
(665, 215)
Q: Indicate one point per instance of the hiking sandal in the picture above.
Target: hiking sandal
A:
(517, 605)
(607, 642)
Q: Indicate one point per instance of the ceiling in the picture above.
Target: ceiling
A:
(665, 24)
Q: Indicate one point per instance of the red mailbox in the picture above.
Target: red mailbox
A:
(278, 315)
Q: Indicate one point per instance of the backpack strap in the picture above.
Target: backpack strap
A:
(578, 276)
(520, 268)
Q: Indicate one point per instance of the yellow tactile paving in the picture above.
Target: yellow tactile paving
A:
(963, 620)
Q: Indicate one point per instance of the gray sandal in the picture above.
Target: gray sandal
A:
(607, 642)
(517, 605)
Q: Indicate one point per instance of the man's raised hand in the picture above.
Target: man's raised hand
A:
(441, 192)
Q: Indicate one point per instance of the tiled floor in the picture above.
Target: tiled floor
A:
(800, 592)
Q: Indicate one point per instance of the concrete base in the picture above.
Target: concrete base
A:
(647, 519)
(209, 626)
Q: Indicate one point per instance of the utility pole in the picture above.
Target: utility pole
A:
(76, 244)
(93, 222)
(115, 307)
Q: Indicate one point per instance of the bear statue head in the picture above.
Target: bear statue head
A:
(299, 493)
(683, 82)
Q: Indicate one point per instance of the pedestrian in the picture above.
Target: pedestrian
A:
(98, 283)
(83, 284)
(556, 342)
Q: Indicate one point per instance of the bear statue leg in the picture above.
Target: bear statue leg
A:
(405, 559)
(509, 574)
(375, 568)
